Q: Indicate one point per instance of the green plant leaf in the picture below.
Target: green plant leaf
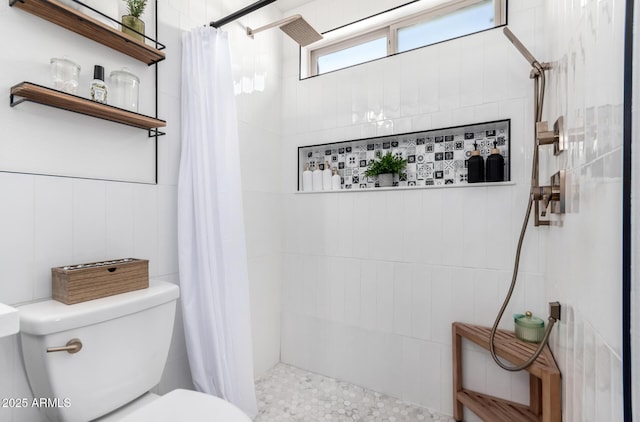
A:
(387, 163)
(136, 7)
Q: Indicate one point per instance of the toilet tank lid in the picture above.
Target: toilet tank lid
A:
(50, 316)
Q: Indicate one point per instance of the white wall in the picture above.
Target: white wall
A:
(585, 45)
(373, 280)
(50, 221)
(257, 69)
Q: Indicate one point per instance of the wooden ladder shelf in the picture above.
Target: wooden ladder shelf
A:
(545, 404)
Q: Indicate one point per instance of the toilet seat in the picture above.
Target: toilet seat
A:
(187, 405)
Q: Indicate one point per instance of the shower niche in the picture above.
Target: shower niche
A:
(436, 157)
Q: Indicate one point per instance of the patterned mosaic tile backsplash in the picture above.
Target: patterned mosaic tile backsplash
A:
(434, 157)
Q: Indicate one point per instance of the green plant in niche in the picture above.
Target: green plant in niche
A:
(388, 163)
(136, 7)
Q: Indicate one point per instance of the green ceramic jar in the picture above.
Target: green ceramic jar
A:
(529, 328)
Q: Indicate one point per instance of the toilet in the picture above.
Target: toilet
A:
(97, 360)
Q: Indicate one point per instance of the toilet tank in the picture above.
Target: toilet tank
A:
(125, 342)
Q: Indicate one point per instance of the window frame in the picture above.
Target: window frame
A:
(390, 30)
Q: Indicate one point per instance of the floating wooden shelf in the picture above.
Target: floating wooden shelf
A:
(51, 97)
(544, 379)
(78, 22)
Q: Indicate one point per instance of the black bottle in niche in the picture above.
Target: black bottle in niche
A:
(475, 166)
(495, 165)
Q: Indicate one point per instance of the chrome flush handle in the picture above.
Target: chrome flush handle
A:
(73, 346)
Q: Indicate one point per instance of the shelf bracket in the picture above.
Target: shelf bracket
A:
(154, 133)
(13, 102)
(158, 44)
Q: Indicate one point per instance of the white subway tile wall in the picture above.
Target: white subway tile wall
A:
(582, 257)
(458, 254)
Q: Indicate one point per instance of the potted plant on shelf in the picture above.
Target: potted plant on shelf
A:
(135, 8)
(385, 167)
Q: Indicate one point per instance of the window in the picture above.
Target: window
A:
(351, 54)
(467, 20)
(402, 29)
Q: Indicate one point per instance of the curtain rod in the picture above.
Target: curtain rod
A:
(240, 13)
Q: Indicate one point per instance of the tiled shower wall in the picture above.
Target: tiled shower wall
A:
(373, 280)
(585, 42)
(371, 302)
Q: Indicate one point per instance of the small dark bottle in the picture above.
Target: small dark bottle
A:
(98, 88)
(495, 165)
(475, 166)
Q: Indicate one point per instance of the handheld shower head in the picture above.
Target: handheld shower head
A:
(294, 26)
(521, 48)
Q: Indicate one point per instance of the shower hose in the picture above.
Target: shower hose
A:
(539, 87)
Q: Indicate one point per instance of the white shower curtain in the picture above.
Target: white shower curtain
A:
(211, 240)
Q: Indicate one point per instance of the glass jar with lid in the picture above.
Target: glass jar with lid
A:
(65, 74)
(124, 89)
(528, 327)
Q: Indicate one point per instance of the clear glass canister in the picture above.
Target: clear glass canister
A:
(124, 88)
(65, 74)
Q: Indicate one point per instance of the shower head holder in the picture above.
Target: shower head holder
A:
(538, 68)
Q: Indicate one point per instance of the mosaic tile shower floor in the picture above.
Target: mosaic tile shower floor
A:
(290, 394)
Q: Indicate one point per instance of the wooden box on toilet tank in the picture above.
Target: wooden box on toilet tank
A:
(82, 282)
